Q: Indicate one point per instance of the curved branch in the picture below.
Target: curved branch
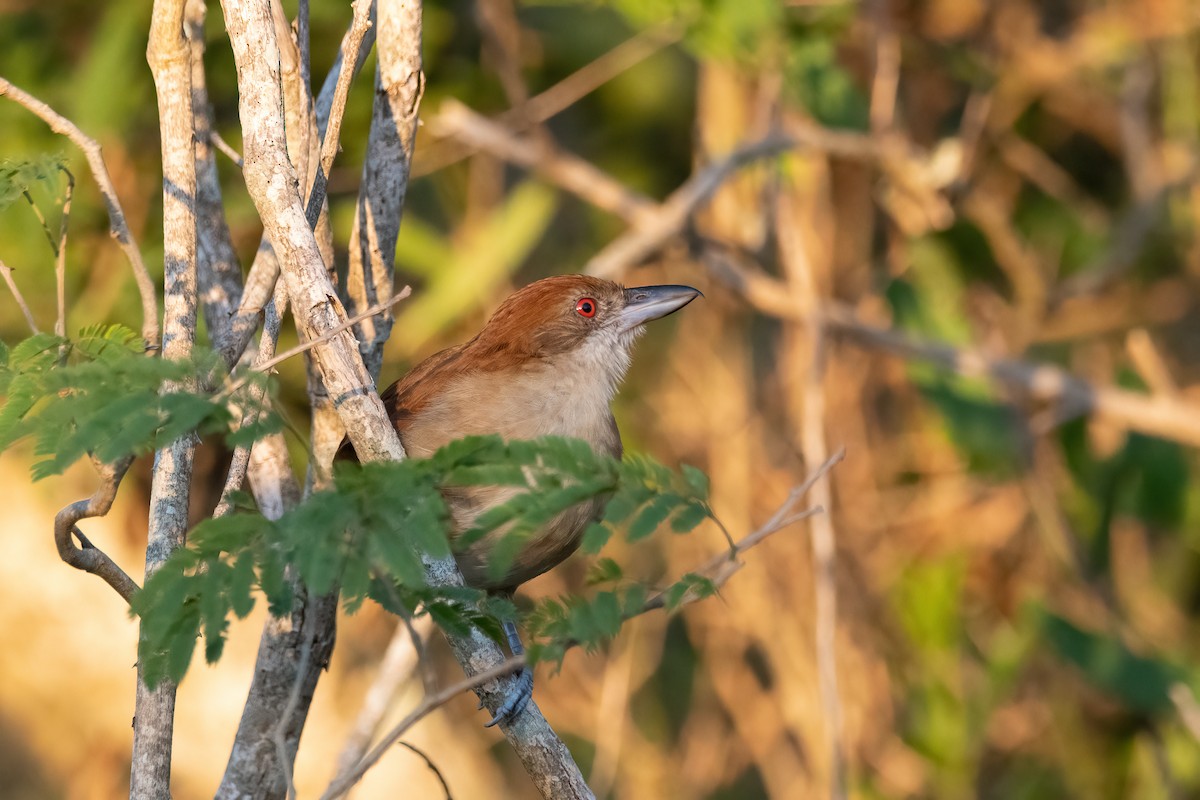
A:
(86, 556)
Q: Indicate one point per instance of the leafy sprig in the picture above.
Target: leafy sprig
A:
(368, 533)
(98, 394)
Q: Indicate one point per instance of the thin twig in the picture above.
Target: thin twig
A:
(443, 153)
(60, 260)
(403, 656)
(429, 762)
(304, 347)
(348, 778)
(329, 143)
(41, 218)
(6, 271)
(116, 215)
(226, 148)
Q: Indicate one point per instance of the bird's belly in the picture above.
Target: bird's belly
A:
(547, 547)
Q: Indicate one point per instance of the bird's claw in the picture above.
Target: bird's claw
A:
(515, 701)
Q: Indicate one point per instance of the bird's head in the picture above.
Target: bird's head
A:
(577, 321)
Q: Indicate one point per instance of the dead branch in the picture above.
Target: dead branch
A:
(6, 271)
(346, 780)
(374, 310)
(118, 228)
(442, 153)
(1164, 416)
(455, 121)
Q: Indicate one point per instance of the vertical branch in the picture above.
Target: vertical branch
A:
(814, 450)
(169, 61)
(219, 275)
(273, 187)
(398, 89)
(60, 259)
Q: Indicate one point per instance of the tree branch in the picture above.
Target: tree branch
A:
(87, 556)
(272, 185)
(118, 228)
(169, 58)
(399, 85)
(6, 271)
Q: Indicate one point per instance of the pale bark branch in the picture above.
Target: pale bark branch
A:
(404, 655)
(273, 187)
(118, 227)
(346, 780)
(170, 63)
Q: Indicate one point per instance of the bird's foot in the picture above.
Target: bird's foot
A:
(517, 698)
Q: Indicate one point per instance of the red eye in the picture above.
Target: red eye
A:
(586, 307)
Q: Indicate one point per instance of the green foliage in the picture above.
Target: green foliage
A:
(1142, 684)
(19, 177)
(369, 534)
(99, 394)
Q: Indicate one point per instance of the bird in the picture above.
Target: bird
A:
(548, 362)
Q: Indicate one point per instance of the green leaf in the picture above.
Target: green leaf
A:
(689, 517)
(18, 177)
(1143, 684)
(696, 480)
(604, 570)
(654, 514)
(595, 537)
(690, 587)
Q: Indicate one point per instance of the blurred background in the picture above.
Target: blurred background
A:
(1012, 186)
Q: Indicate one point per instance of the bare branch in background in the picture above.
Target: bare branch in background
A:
(6, 271)
(441, 153)
(400, 661)
(808, 391)
(456, 121)
(116, 216)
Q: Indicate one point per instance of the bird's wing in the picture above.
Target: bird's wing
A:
(407, 397)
